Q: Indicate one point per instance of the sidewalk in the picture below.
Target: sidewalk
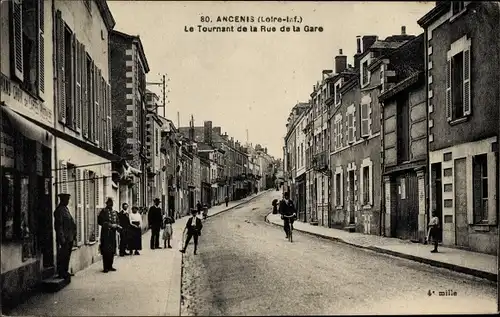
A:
(148, 284)
(472, 263)
(215, 210)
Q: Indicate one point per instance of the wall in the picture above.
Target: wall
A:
(485, 74)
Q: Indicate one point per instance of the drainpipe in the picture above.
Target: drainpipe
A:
(382, 172)
(55, 112)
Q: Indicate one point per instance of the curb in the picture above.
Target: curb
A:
(453, 267)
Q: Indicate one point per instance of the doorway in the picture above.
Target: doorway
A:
(437, 197)
(352, 213)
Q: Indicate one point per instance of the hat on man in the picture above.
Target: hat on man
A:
(156, 199)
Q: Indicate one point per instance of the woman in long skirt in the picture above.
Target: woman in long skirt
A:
(135, 242)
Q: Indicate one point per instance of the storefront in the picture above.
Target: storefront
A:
(26, 201)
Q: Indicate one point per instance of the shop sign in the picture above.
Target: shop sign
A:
(21, 101)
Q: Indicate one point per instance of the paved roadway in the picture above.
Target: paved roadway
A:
(247, 267)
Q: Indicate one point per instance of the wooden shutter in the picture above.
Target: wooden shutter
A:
(63, 178)
(41, 49)
(72, 93)
(17, 39)
(492, 188)
(108, 120)
(104, 107)
(61, 87)
(467, 98)
(91, 109)
(78, 86)
(476, 190)
(97, 207)
(448, 91)
(97, 121)
(85, 184)
(350, 129)
(79, 207)
(365, 120)
(85, 96)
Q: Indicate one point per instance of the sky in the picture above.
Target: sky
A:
(249, 81)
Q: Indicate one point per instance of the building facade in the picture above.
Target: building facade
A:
(129, 67)
(404, 141)
(462, 66)
(27, 147)
(154, 167)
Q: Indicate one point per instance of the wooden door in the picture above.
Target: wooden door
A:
(407, 206)
(461, 223)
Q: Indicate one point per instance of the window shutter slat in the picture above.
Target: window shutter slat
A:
(467, 97)
(97, 208)
(79, 207)
(61, 94)
(41, 49)
(109, 122)
(78, 87)
(17, 38)
(63, 181)
(448, 91)
(85, 96)
(73, 100)
(102, 103)
(97, 122)
(85, 185)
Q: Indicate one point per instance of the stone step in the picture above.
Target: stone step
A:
(54, 284)
(350, 228)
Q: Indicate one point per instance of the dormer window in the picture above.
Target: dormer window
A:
(338, 85)
(364, 73)
(457, 7)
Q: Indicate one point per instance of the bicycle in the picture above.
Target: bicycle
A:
(290, 228)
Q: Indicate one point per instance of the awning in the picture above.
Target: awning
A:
(27, 128)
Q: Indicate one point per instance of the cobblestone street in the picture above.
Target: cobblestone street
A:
(247, 267)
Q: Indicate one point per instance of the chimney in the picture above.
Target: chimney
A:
(207, 132)
(368, 41)
(191, 129)
(265, 150)
(358, 44)
(403, 30)
(340, 62)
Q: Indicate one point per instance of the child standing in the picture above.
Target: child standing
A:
(433, 231)
(167, 231)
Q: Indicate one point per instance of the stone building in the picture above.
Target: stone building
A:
(404, 141)
(154, 166)
(462, 76)
(128, 69)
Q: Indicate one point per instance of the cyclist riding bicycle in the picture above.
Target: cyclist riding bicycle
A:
(288, 212)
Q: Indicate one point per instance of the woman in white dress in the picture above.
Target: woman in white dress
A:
(135, 231)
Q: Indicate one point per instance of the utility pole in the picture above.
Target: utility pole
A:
(163, 85)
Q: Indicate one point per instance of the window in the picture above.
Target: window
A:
(364, 73)
(366, 185)
(337, 94)
(68, 76)
(157, 143)
(350, 127)
(458, 99)
(338, 184)
(365, 120)
(338, 132)
(89, 107)
(28, 40)
(457, 7)
(480, 188)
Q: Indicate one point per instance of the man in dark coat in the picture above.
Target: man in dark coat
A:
(124, 221)
(108, 220)
(155, 219)
(65, 228)
(193, 228)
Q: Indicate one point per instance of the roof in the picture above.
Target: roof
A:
(204, 147)
(431, 16)
(403, 85)
(136, 40)
(385, 45)
(106, 14)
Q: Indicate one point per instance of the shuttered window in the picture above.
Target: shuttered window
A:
(97, 98)
(78, 86)
(61, 86)
(17, 38)
(79, 217)
(365, 120)
(350, 127)
(109, 125)
(41, 49)
(63, 178)
(458, 86)
(104, 108)
(85, 93)
(98, 207)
